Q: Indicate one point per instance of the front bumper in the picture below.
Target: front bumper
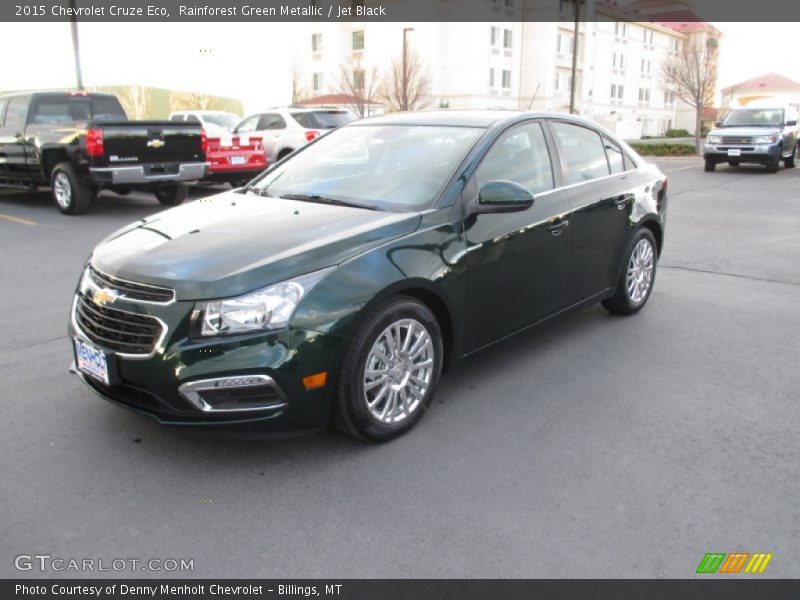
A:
(761, 153)
(149, 174)
(170, 384)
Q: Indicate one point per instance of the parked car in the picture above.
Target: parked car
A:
(217, 123)
(762, 135)
(342, 282)
(235, 159)
(80, 143)
(286, 129)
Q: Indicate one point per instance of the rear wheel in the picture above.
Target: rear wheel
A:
(790, 162)
(71, 195)
(637, 278)
(774, 163)
(171, 194)
(390, 372)
(710, 165)
(285, 152)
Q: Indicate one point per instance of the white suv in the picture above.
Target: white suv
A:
(283, 130)
(216, 122)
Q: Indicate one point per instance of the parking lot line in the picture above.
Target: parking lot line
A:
(17, 219)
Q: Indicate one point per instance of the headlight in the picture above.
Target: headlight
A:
(765, 139)
(261, 310)
(714, 139)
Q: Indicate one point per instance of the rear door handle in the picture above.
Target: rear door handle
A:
(558, 226)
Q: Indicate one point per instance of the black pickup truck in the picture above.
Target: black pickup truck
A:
(78, 143)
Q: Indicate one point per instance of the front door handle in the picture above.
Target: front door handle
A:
(556, 227)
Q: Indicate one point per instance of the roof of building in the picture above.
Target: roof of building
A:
(769, 81)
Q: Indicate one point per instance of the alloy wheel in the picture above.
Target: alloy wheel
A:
(62, 190)
(398, 371)
(640, 271)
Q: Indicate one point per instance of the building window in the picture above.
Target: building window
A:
(644, 95)
(358, 40)
(619, 60)
(507, 38)
(358, 79)
(645, 66)
(617, 91)
(557, 81)
(316, 42)
(564, 44)
(509, 3)
(317, 82)
(506, 79)
(491, 77)
(493, 37)
(620, 29)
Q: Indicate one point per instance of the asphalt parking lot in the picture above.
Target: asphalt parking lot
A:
(593, 446)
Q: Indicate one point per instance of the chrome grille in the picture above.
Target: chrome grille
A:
(116, 329)
(729, 139)
(130, 290)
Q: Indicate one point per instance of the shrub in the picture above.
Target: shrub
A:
(672, 133)
(664, 149)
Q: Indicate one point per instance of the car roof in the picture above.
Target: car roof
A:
(462, 118)
(56, 93)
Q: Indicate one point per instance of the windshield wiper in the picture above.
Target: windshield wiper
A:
(325, 200)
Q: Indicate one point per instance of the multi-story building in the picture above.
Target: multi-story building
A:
(523, 60)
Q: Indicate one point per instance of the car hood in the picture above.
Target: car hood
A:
(745, 131)
(233, 243)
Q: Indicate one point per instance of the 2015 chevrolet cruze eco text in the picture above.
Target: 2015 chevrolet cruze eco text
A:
(340, 283)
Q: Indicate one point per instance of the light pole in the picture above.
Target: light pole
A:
(574, 80)
(76, 50)
(405, 67)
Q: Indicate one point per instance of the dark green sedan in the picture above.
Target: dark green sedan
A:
(342, 282)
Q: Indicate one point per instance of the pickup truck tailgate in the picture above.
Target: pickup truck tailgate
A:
(145, 142)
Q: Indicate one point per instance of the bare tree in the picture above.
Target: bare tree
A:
(692, 76)
(359, 85)
(135, 99)
(192, 101)
(299, 90)
(408, 84)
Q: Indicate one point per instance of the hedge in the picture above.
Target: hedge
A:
(671, 133)
(664, 149)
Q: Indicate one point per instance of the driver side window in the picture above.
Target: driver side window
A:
(519, 155)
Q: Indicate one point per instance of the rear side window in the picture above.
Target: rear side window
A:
(17, 112)
(330, 119)
(176, 118)
(582, 151)
(3, 105)
(192, 119)
(271, 121)
(615, 157)
(52, 110)
(107, 108)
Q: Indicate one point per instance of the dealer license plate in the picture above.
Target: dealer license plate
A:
(237, 160)
(734, 152)
(91, 361)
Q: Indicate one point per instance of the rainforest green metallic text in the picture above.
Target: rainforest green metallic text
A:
(460, 261)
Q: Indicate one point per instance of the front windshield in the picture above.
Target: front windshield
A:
(754, 117)
(226, 120)
(390, 167)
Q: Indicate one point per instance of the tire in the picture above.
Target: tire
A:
(791, 162)
(284, 153)
(171, 194)
(774, 163)
(384, 411)
(710, 165)
(71, 195)
(240, 182)
(628, 298)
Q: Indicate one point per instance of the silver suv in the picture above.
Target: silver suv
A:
(283, 130)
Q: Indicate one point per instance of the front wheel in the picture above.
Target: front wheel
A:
(171, 194)
(637, 278)
(390, 372)
(710, 165)
(774, 163)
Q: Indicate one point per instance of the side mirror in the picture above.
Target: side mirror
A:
(717, 123)
(791, 123)
(503, 197)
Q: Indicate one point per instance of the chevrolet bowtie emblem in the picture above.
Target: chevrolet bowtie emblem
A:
(105, 296)
(155, 143)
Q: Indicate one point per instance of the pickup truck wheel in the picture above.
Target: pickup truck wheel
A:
(774, 163)
(171, 194)
(710, 165)
(790, 162)
(71, 195)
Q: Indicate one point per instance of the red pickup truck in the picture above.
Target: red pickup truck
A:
(235, 159)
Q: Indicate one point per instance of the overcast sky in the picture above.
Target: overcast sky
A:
(249, 61)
